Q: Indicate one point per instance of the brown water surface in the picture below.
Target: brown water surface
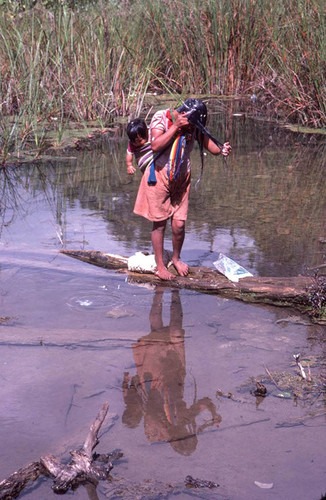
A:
(178, 368)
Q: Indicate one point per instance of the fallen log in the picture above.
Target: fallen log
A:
(293, 291)
(82, 468)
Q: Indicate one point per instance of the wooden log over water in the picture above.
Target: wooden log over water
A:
(292, 291)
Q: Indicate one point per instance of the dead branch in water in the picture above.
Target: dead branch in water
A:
(82, 468)
(14, 484)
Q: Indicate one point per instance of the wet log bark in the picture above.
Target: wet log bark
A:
(292, 291)
(81, 469)
(14, 484)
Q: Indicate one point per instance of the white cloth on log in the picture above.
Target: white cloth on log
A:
(142, 263)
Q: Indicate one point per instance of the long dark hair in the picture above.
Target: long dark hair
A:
(197, 115)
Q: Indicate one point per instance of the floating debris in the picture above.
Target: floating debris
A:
(119, 312)
(307, 391)
(4, 319)
(260, 390)
(284, 395)
(199, 483)
(264, 486)
(297, 360)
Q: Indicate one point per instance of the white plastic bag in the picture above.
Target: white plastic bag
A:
(143, 263)
(230, 268)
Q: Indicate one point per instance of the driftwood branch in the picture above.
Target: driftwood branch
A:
(14, 484)
(92, 438)
(291, 291)
(81, 469)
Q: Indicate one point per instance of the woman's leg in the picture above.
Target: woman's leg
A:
(158, 245)
(178, 236)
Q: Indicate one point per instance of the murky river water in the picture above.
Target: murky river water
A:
(178, 368)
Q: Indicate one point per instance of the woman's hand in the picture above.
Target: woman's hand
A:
(182, 121)
(216, 150)
(226, 150)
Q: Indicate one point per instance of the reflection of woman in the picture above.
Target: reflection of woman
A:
(157, 390)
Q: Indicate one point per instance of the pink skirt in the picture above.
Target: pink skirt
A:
(164, 200)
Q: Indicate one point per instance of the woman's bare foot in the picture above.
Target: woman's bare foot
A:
(181, 267)
(164, 274)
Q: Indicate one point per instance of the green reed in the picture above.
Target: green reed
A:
(98, 63)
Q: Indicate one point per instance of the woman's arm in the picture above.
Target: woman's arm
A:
(214, 149)
(160, 138)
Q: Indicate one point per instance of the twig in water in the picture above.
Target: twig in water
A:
(271, 377)
(59, 233)
(300, 420)
(309, 374)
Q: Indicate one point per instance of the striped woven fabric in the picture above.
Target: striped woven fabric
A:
(176, 157)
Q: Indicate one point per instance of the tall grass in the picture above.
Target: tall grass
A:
(99, 62)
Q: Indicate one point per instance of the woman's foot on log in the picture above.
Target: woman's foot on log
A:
(164, 274)
(181, 267)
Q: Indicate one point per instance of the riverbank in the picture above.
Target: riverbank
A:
(83, 62)
(90, 136)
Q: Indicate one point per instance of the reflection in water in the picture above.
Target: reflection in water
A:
(268, 214)
(157, 391)
(9, 196)
(24, 187)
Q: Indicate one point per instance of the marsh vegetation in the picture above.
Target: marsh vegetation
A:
(91, 62)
